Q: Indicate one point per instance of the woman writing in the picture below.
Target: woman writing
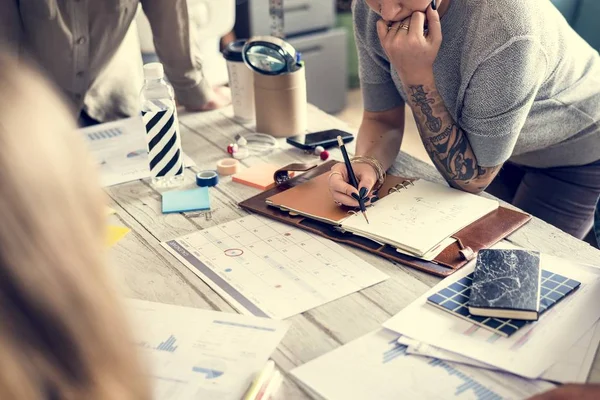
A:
(488, 82)
(63, 334)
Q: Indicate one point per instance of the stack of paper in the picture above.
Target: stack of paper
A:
(424, 344)
(377, 367)
(525, 353)
(573, 367)
(199, 354)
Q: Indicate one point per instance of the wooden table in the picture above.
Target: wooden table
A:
(146, 271)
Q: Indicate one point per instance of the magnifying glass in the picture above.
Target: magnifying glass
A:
(270, 55)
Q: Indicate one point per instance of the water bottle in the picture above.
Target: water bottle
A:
(159, 114)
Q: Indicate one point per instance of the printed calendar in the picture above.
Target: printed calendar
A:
(268, 269)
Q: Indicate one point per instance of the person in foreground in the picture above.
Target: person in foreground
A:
(91, 51)
(488, 82)
(63, 334)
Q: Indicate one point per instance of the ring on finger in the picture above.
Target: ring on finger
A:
(335, 173)
(404, 26)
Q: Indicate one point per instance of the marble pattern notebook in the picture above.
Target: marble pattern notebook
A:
(506, 284)
(454, 299)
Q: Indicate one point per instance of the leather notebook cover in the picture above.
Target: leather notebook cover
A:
(482, 234)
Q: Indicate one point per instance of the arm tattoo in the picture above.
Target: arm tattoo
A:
(454, 154)
(420, 98)
(450, 150)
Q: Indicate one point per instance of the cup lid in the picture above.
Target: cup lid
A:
(233, 51)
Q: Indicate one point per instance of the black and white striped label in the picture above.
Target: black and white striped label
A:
(164, 143)
(277, 21)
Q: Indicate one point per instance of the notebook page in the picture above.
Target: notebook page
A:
(418, 218)
(434, 252)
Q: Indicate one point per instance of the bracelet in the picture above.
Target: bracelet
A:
(373, 162)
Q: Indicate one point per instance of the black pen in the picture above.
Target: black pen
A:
(352, 178)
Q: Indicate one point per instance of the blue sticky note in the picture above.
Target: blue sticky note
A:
(185, 200)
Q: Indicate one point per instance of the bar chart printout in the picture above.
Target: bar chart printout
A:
(200, 354)
(377, 366)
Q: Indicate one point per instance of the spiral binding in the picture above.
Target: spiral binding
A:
(401, 186)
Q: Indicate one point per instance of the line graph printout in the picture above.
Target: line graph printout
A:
(268, 269)
(201, 354)
(376, 366)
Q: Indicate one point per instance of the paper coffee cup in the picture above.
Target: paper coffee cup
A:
(241, 82)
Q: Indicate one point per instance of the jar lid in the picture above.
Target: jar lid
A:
(233, 51)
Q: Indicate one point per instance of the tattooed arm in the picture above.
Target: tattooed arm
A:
(445, 142)
(412, 52)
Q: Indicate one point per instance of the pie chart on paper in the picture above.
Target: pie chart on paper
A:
(137, 153)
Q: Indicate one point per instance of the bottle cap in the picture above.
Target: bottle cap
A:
(233, 51)
(154, 71)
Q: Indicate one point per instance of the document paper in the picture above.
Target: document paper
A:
(269, 269)
(529, 352)
(121, 150)
(376, 366)
(574, 367)
(200, 354)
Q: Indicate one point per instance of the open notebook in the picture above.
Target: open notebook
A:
(418, 218)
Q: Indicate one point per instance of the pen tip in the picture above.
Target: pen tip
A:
(367, 219)
(340, 141)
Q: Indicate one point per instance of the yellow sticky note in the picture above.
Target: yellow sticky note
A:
(115, 234)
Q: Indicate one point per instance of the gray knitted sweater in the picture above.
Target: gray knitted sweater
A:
(513, 74)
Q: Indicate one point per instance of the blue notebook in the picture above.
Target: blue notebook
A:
(185, 200)
(455, 300)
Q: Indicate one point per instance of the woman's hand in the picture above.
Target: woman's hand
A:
(410, 51)
(343, 193)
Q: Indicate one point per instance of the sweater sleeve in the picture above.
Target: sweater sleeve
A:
(378, 89)
(499, 98)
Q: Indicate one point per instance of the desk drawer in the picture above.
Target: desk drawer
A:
(300, 16)
(326, 59)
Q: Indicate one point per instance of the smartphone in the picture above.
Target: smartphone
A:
(324, 138)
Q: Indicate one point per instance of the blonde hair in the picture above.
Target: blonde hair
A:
(63, 333)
